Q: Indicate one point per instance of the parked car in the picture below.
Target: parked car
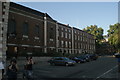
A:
(93, 56)
(61, 61)
(88, 58)
(78, 59)
(117, 55)
(84, 57)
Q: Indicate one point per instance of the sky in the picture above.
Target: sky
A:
(79, 14)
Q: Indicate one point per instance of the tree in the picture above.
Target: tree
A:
(98, 36)
(114, 35)
(96, 31)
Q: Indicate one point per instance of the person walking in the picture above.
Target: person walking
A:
(12, 70)
(28, 69)
(2, 68)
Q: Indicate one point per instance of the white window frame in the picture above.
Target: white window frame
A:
(69, 30)
(78, 37)
(69, 36)
(65, 35)
(69, 44)
(66, 29)
(62, 34)
(62, 43)
(62, 28)
(75, 37)
(66, 44)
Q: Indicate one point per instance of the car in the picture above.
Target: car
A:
(88, 58)
(116, 55)
(84, 57)
(93, 56)
(61, 61)
(78, 59)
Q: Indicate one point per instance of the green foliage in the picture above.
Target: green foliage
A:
(96, 31)
(113, 35)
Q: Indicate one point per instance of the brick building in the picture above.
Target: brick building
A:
(32, 31)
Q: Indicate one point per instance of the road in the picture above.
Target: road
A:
(94, 69)
(103, 67)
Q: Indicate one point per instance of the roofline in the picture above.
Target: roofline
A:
(12, 4)
(36, 12)
(64, 25)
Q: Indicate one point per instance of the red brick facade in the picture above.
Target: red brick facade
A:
(33, 31)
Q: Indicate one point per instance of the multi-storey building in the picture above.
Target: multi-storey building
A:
(32, 31)
(64, 38)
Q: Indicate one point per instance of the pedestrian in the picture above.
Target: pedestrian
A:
(2, 68)
(28, 68)
(16, 55)
(14, 60)
(12, 70)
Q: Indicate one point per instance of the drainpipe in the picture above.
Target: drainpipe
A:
(45, 34)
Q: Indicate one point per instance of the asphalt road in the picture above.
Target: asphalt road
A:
(103, 67)
(94, 69)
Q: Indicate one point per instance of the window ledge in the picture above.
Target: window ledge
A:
(36, 37)
(51, 39)
(25, 36)
(12, 35)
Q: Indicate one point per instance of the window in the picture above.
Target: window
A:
(79, 45)
(75, 45)
(75, 37)
(83, 34)
(58, 33)
(83, 38)
(62, 43)
(3, 13)
(65, 29)
(65, 35)
(51, 28)
(62, 35)
(61, 28)
(25, 28)
(58, 43)
(69, 30)
(66, 44)
(12, 27)
(69, 44)
(51, 33)
(58, 28)
(70, 51)
(80, 33)
(3, 19)
(75, 31)
(37, 30)
(78, 38)
(75, 51)
(69, 36)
